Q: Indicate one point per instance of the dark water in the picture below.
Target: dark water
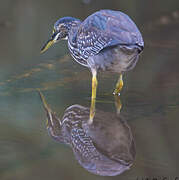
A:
(150, 96)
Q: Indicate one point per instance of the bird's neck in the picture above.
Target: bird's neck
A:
(72, 32)
(75, 23)
(73, 45)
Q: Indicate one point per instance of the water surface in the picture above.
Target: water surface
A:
(150, 96)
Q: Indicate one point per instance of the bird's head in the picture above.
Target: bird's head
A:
(60, 31)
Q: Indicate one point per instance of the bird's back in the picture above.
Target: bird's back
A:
(112, 25)
(104, 29)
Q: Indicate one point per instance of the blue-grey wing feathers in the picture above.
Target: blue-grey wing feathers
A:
(106, 28)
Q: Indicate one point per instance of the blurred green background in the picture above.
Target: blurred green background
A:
(150, 96)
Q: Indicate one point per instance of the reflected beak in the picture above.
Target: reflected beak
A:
(49, 43)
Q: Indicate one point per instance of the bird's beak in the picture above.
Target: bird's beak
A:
(49, 43)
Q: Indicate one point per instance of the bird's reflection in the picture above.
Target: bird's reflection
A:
(104, 147)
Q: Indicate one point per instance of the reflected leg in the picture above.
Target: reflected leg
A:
(118, 104)
(93, 96)
(119, 86)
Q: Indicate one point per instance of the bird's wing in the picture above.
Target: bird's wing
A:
(106, 28)
(82, 145)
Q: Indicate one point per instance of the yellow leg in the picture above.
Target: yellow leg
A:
(118, 104)
(119, 86)
(93, 96)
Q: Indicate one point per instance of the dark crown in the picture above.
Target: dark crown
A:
(67, 21)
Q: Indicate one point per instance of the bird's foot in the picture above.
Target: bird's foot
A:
(115, 93)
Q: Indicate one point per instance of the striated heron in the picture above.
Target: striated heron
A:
(106, 40)
(103, 147)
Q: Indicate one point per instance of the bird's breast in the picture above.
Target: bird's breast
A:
(76, 54)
